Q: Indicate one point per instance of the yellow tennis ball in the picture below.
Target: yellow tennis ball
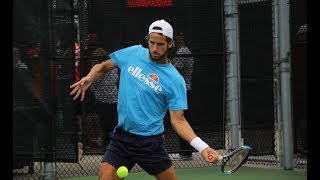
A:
(122, 172)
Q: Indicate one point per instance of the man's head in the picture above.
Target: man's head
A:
(160, 40)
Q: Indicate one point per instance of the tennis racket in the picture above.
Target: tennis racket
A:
(234, 160)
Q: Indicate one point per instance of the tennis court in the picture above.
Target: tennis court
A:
(245, 173)
(242, 71)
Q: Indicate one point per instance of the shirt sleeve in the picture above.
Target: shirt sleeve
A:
(120, 57)
(177, 99)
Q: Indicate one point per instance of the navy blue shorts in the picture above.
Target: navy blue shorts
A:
(127, 149)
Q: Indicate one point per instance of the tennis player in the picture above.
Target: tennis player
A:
(149, 85)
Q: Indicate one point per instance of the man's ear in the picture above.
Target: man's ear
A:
(171, 44)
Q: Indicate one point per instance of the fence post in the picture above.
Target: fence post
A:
(232, 53)
(285, 80)
(48, 171)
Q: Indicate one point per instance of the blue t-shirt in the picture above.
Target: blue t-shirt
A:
(146, 91)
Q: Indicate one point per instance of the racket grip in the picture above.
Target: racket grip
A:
(210, 157)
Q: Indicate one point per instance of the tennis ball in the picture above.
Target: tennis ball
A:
(122, 172)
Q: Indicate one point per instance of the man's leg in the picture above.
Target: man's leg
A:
(114, 157)
(168, 174)
(107, 172)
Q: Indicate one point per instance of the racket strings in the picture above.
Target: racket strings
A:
(235, 160)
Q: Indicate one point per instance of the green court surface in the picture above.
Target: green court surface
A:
(245, 173)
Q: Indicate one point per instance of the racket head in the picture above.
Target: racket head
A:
(233, 161)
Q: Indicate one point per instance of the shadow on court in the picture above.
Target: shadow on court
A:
(245, 173)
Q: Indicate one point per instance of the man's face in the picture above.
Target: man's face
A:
(158, 47)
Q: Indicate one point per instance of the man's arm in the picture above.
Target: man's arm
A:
(181, 125)
(99, 69)
(80, 87)
(184, 130)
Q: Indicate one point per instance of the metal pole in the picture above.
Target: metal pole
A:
(285, 80)
(279, 127)
(48, 172)
(232, 52)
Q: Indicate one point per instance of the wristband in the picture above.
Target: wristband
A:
(198, 144)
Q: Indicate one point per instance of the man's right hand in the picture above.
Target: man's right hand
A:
(209, 151)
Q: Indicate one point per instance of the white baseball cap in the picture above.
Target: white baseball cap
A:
(161, 26)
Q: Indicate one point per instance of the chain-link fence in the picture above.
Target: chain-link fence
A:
(56, 42)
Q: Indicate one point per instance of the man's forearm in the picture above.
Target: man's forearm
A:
(96, 72)
(184, 130)
(99, 69)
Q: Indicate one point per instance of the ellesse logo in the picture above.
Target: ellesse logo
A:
(151, 80)
(154, 77)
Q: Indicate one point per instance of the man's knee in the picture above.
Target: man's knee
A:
(107, 172)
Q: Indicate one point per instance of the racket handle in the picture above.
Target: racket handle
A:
(210, 157)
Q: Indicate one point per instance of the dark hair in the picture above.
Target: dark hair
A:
(167, 38)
